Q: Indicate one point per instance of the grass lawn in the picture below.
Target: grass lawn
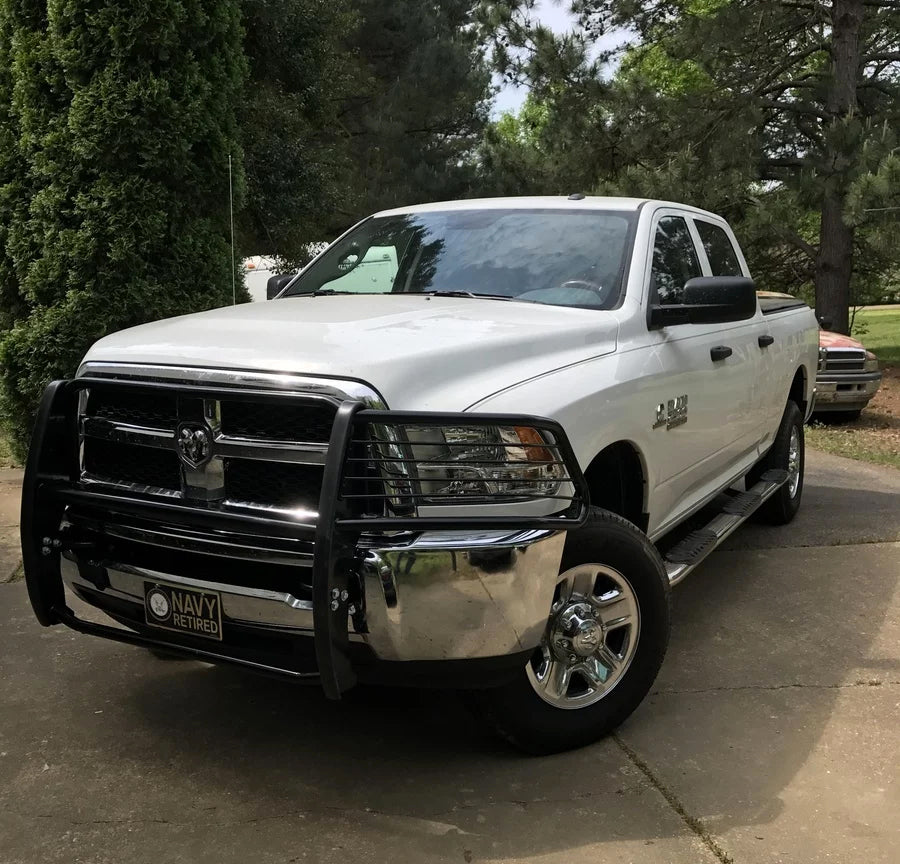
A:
(879, 331)
(881, 446)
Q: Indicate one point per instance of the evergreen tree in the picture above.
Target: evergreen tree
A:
(30, 100)
(11, 170)
(129, 213)
(295, 145)
(422, 103)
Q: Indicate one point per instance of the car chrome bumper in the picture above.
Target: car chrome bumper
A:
(843, 392)
(442, 596)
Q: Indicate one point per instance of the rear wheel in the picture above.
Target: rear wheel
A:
(788, 453)
(606, 636)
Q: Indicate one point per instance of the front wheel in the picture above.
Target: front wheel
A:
(605, 640)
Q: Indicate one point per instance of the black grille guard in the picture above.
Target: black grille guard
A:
(52, 482)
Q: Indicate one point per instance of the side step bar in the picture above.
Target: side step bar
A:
(681, 559)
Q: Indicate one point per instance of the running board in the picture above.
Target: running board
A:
(682, 558)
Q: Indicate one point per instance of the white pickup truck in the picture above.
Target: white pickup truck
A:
(480, 466)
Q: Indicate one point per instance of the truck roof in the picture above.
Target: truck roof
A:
(541, 202)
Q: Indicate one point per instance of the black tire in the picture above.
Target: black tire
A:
(517, 713)
(782, 507)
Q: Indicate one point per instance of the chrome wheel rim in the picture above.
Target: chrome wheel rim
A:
(794, 462)
(590, 640)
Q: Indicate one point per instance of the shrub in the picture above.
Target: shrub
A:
(129, 207)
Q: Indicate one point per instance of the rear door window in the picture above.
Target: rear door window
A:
(723, 259)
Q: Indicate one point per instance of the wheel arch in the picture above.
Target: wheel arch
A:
(617, 480)
(799, 391)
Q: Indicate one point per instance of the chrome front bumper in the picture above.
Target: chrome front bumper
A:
(447, 595)
(843, 392)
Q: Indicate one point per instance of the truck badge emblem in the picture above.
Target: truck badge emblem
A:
(194, 443)
(671, 413)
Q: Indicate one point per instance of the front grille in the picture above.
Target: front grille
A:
(273, 484)
(845, 361)
(114, 462)
(302, 421)
(155, 409)
(260, 449)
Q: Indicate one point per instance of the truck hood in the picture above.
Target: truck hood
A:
(419, 352)
(827, 339)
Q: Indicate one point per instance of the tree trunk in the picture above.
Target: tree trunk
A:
(834, 265)
(834, 262)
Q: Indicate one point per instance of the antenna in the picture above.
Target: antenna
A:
(231, 212)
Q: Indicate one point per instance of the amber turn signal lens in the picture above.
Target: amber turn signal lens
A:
(533, 443)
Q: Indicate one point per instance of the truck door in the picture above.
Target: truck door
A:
(723, 258)
(703, 394)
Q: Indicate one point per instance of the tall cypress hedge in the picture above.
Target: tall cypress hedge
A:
(125, 115)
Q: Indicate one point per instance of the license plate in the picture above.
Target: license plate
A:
(197, 613)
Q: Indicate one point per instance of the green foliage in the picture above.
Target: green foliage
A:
(561, 141)
(420, 107)
(666, 74)
(292, 125)
(126, 119)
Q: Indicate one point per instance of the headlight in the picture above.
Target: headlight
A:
(402, 470)
(397, 468)
(871, 362)
(483, 462)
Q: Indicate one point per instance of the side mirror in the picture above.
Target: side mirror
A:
(709, 300)
(276, 284)
(825, 322)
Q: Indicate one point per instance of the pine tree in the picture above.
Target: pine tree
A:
(422, 105)
(295, 145)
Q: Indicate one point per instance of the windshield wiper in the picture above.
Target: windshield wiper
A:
(467, 294)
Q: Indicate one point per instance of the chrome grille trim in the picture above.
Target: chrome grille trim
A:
(336, 390)
(300, 453)
(844, 360)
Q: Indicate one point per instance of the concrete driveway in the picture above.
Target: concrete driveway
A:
(772, 734)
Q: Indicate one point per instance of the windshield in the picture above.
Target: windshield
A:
(558, 257)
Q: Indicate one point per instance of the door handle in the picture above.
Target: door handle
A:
(720, 352)
(765, 341)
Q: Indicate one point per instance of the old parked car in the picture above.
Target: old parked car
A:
(472, 445)
(848, 375)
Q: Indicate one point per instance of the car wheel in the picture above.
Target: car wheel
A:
(788, 453)
(605, 639)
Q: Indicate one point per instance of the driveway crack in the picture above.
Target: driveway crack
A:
(695, 825)
(873, 682)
